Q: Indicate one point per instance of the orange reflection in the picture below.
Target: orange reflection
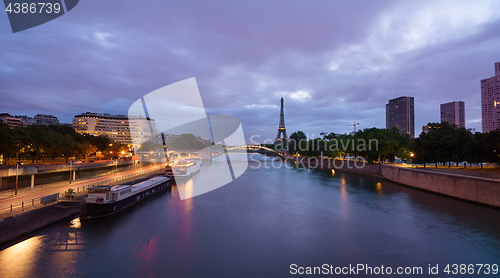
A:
(343, 196)
(188, 188)
(378, 186)
(75, 223)
(19, 259)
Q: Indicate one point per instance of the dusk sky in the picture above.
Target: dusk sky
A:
(335, 62)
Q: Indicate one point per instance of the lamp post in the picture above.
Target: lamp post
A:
(17, 176)
(70, 170)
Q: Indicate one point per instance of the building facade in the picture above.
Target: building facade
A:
(490, 101)
(26, 121)
(9, 120)
(400, 113)
(41, 119)
(142, 130)
(453, 113)
(116, 127)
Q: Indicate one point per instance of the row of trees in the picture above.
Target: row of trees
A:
(443, 143)
(40, 142)
(184, 142)
(374, 144)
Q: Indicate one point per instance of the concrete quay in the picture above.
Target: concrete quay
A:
(478, 190)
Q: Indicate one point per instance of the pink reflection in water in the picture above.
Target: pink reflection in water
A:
(147, 257)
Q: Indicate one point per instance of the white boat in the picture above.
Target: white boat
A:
(186, 167)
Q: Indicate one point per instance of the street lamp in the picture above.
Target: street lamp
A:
(17, 176)
(70, 169)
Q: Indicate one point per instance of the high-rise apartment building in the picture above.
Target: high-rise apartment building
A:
(453, 113)
(490, 101)
(400, 113)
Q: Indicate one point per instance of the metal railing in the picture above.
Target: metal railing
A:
(33, 203)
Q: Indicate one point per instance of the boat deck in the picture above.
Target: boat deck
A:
(141, 185)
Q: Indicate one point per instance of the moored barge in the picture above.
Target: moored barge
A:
(106, 200)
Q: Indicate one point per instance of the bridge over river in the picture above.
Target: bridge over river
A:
(210, 153)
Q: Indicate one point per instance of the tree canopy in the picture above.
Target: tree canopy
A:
(38, 142)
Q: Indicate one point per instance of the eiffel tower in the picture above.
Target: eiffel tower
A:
(281, 128)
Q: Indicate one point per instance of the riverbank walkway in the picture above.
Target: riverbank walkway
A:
(29, 199)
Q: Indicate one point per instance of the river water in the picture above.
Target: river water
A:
(262, 223)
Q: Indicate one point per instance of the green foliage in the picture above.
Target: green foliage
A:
(445, 143)
(149, 146)
(51, 141)
(373, 144)
(187, 142)
(70, 193)
(295, 140)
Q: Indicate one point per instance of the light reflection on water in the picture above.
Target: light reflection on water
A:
(20, 259)
(260, 224)
(57, 251)
(146, 258)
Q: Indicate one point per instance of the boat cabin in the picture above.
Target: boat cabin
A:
(106, 194)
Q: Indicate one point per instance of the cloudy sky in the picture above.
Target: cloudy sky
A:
(334, 61)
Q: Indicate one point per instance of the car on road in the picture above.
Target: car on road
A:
(76, 162)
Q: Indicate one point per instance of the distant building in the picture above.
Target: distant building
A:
(426, 128)
(400, 113)
(9, 120)
(490, 101)
(26, 121)
(169, 138)
(142, 130)
(453, 113)
(41, 119)
(116, 127)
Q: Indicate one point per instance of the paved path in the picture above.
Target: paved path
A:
(26, 198)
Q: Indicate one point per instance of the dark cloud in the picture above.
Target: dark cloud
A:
(334, 61)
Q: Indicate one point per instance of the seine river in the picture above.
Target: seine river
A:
(269, 223)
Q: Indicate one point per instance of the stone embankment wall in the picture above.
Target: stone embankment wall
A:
(357, 167)
(475, 189)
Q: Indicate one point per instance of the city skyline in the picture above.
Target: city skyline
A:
(329, 75)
